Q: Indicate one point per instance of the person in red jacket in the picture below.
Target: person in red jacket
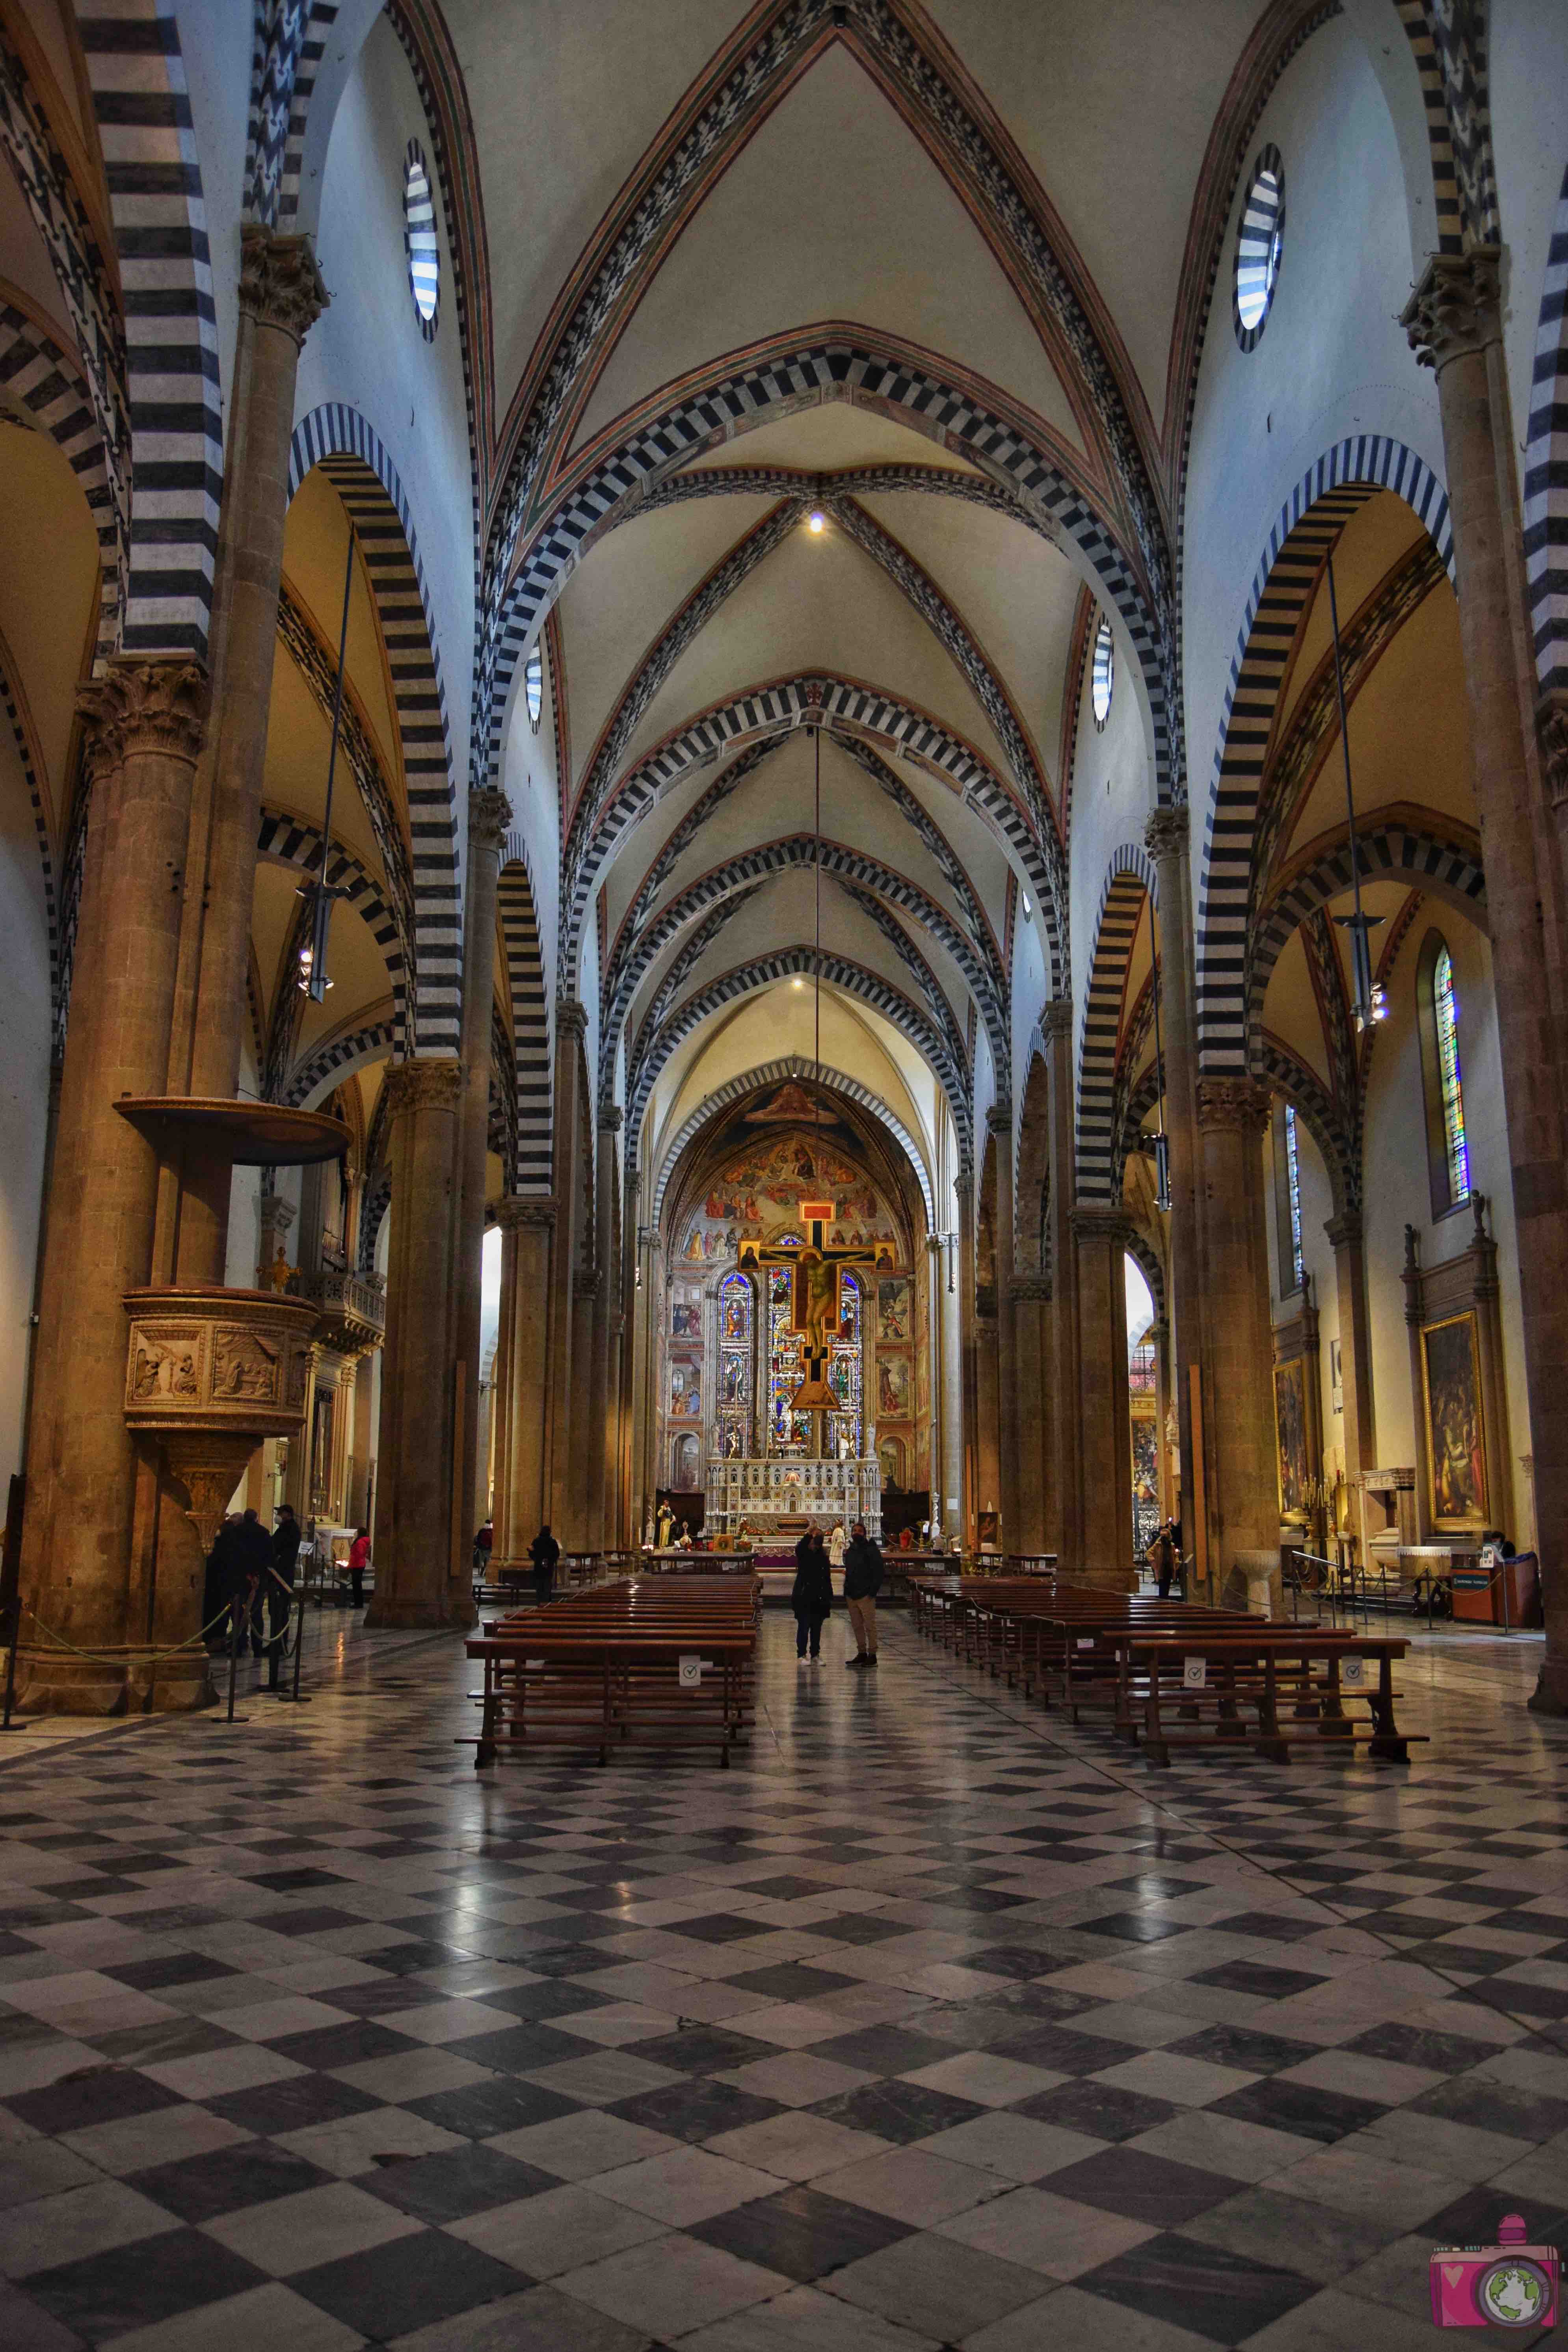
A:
(359, 1561)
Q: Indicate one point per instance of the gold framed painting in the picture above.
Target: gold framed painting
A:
(1458, 1493)
(1290, 1428)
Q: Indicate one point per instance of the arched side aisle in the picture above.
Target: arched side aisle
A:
(1130, 881)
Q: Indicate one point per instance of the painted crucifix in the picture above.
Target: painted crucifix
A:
(815, 1268)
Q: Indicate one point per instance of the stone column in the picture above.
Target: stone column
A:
(585, 1496)
(999, 1126)
(364, 1438)
(934, 1433)
(571, 1216)
(605, 1419)
(522, 1364)
(1359, 1424)
(1240, 1455)
(1105, 1438)
(1454, 324)
(143, 729)
(1031, 1307)
(490, 814)
(1166, 838)
(280, 295)
(422, 1543)
(969, 1500)
(1065, 1502)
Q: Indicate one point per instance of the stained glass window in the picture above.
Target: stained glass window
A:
(1446, 1013)
(1293, 1182)
(788, 1433)
(734, 1399)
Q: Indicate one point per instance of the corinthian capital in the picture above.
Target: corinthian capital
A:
(999, 1120)
(517, 1214)
(1234, 1103)
(570, 1018)
(279, 284)
(142, 706)
(1454, 311)
(1165, 834)
(434, 1082)
(490, 816)
(1551, 724)
(1055, 1020)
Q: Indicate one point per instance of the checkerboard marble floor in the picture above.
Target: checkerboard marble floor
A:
(933, 2022)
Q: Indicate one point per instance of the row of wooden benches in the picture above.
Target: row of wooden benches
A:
(1169, 1673)
(663, 1662)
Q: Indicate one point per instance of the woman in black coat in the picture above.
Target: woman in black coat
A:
(811, 1597)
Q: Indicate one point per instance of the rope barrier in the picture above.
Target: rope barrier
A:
(135, 1654)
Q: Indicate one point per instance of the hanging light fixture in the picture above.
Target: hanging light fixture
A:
(1369, 1002)
(313, 979)
(1162, 1140)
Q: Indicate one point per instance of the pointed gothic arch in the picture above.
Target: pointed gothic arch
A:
(1130, 881)
(777, 1073)
(533, 1166)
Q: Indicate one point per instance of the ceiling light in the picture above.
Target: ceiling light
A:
(798, 983)
(817, 522)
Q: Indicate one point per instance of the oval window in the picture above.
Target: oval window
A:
(419, 240)
(1259, 242)
(1103, 672)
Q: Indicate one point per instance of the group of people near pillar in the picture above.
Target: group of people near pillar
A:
(249, 1585)
(811, 1595)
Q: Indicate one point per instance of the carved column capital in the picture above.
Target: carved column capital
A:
(432, 1083)
(611, 1118)
(1166, 833)
(1345, 1230)
(142, 706)
(490, 816)
(1234, 1103)
(999, 1120)
(279, 284)
(585, 1285)
(1100, 1224)
(1551, 726)
(515, 1214)
(1055, 1020)
(1031, 1288)
(1454, 312)
(964, 1189)
(570, 1018)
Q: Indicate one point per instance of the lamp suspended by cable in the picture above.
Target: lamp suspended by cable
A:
(1369, 1002)
(1162, 1140)
(313, 980)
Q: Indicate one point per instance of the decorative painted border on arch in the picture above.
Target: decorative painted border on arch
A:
(778, 1074)
(1304, 531)
(1546, 468)
(1130, 879)
(338, 439)
(534, 1169)
(834, 368)
(151, 169)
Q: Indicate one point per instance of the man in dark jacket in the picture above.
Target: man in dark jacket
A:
(283, 1566)
(543, 1551)
(811, 1597)
(862, 1583)
(244, 1554)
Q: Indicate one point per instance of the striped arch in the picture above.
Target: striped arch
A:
(32, 763)
(329, 1064)
(1304, 532)
(1420, 858)
(740, 396)
(1135, 1106)
(1448, 40)
(373, 1209)
(1546, 468)
(653, 1051)
(48, 382)
(1320, 1113)
(501, 1124)
(1147, 1260)
(850, 711)
(152, 171)
(338, 439)
(638, 954)
(533, 1171)
(291, 841)
(777, 1073)
(1129, 880)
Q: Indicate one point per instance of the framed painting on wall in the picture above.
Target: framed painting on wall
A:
(892, 1388)
(1456, 1443)
(895, 1308)
(1290, 1424)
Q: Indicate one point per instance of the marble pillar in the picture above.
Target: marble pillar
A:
(605, 1419)
(1064, 1489)
(1358, 1424)
(1241, 1482)
(1031, 1341)
(522, 1500)
(999, 1127)
(1105, 1438)
(490, 814)
(585, 1497)
(364, 1442)
(1454, 322)
(1166, 837)
(142, 722)
(573, 1236)
(423, 1539)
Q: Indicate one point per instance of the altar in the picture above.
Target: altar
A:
(772, 1493)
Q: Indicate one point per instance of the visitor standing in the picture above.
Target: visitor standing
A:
(359, 1561)
(282, 1566)
(811, 1597)
(543, 1551)
(1163, 1555)
(245, 1551)
(862, 1583)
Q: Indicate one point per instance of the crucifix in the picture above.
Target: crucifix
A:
(815, 1266)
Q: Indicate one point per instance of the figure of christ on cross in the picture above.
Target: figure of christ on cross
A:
(815, 1266)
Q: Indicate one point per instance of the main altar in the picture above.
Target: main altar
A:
(775, 1498)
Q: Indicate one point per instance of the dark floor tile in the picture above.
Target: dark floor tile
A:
(95, 2095)
(522, 2048)
(1531, 1999)
(785, 1889)
(164, 2038)
(414, 1959)
(411, 2284)
(1157, 1886)
(548, 1960)
(557, 1997)
(1471, 2220)
(800, 2233)
(1489, 2105)
(352, 2044)
(883, 2050)
(203, 2187)
(696, 2109)
(1136, 1926)
(1065, 2052)
(1272, 1927)
(483, 2110)
(1253, 1976)
(790, 1980)
(1459, 1960)
(1144, 2187)
(980, 1900)
(719, 1928)
(169, 1968)
(320, 1921)
(856, 1927)
(273, 2108)
(381, 1997)
(1238, 2045)
(1099, 2108)
(702, 2050)
(142, 2285)
(900, 2112)
(1298, 2108)
(1019, 1961)
(290, 1881)
(1222, 2295)
(459, 2182)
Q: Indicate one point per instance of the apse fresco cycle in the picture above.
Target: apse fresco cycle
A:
(755, 1194)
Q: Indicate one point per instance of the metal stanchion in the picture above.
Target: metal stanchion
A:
(292, 1698)
(13, 1636)
(233, 1666)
